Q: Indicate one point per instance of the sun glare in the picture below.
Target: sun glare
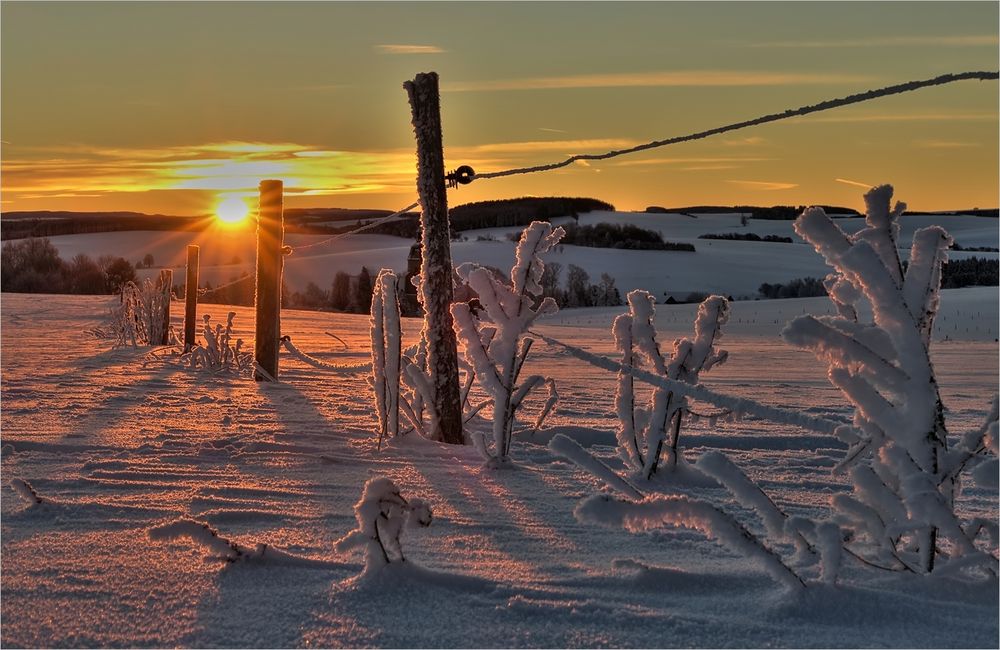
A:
(232, 210)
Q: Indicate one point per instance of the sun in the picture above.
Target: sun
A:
(232, 210)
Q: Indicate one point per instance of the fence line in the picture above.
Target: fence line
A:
(773, 117)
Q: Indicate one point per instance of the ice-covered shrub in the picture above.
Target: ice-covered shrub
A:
(216, 353)
(386, 335)
(139, 317)
(905, 472)
(497, 346)
(399, 378)
(649, 437)
(382, 514)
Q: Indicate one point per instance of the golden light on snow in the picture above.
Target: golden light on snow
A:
(233, 209)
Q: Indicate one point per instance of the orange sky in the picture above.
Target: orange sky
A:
(175, 107)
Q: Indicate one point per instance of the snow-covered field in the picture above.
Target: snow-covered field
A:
(116, 448)
(735, 268)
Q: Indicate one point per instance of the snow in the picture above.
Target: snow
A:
(117, 449)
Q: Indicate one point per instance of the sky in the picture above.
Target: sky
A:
(179, 107)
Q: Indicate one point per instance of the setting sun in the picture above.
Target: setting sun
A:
(232, 210)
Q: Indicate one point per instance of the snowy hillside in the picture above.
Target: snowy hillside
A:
(117, 450)
(735, 268)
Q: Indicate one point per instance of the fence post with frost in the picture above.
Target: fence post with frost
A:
(165, 284)
(267, 298)
(190, 297)
(436, 279)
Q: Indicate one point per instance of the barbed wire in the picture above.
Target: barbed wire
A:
(829, 104)
(773, 117)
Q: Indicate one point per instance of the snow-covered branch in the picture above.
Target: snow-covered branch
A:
(496, 348)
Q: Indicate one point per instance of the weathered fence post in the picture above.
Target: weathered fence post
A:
(267, 298)
(166, 284)
(436, 292)
(190, 297)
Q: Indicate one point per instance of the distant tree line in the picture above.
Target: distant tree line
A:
(21, 225)
(791, 212)
(798, 288)
(34, 266)
(981, 249)
(578, 291)
(519, 212)
(971, 272)
(611, 235)
(747, 236)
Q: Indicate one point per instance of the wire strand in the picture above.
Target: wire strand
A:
(773, 117)
(367, 226)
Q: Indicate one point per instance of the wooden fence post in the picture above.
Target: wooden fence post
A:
(436, 292)
(191, 297)
(166, 286)
(267, 298)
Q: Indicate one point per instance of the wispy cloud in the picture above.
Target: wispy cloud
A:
(657, 79)
(569, 147)
(898, 117)
(856, 183)
(409, 49)
(766, 186)
(548, 130)
(745, 142)
(970, 40)
(946, 144)
(677, 161)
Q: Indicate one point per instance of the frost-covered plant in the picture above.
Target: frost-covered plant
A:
(497, 346)
(139, 317)
(905, 475)
(645, 436)
(218, 352)
(381, 514)
(386, 335)
(400, 380)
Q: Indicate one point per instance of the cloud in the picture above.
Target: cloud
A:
(899, 117)
(597, 145)
(708, 168)
(542, 128)
(765, 186)
(969, 40)
(676, 161)
(218, 167)
(656, 79)
(744, 142)
(856, 183)
(945, 144)
(409, 49)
